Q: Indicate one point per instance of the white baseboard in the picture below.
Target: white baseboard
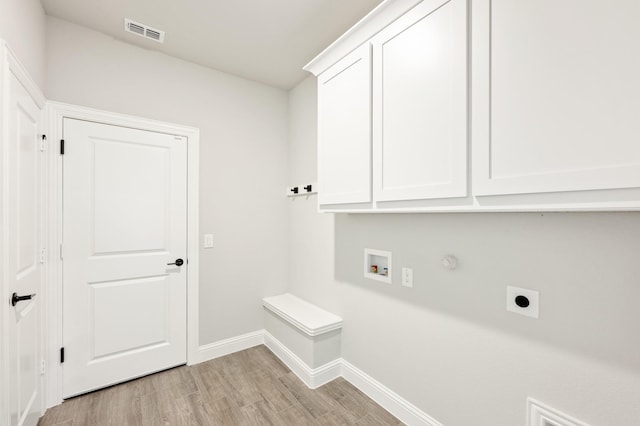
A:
(386, 398)
(312, 377)
(229, 346)
(316, 377)
(541, 414)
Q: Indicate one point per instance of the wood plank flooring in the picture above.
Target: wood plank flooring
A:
(251, 387)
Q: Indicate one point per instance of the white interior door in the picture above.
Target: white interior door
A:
(23, 262)
(125, 222)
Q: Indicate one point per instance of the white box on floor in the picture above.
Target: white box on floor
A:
(309, 332)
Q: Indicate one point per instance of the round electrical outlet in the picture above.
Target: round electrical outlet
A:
(522, 301)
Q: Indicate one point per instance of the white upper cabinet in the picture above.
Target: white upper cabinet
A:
(344, 130)
(420, 104)
(556, 95)
(541, 97)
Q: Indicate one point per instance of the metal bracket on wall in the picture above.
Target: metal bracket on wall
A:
(298, 190)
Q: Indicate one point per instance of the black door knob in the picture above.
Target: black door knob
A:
(178, 262)
(15, 298)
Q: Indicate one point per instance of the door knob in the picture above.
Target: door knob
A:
(178, 262)
(15, 298)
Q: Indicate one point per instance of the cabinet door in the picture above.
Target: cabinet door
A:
(344, 130)
(556, 95)
(420, 104)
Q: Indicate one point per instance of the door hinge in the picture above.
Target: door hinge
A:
(43, 142)
(61, 146)
(43, 367)
(61, 256)
(62, 355)
(43, 255)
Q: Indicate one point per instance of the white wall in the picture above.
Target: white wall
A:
(22, 26)
(311, 242)
(448, 345)
(243, 140)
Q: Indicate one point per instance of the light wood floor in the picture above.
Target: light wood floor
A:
(251, 387)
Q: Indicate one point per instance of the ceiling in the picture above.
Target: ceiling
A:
(266, 41)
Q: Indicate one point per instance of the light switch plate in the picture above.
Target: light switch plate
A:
(407, 277)
(208, 240)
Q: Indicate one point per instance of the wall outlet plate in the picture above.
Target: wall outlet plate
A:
(407, 277)
(523, 301)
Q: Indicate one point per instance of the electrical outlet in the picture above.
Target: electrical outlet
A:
(407, 277)
(523, 301)
(208, 240)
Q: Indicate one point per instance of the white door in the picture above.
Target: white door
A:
(420, 104)
(125, 223)
(24, 270)
(344, 130)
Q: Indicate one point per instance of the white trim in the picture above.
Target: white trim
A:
(312, 377)
(384, 14)
(316, 377)
(229, 346)
(539, 414)
(56, 113)
(610, 200)
(61, 110)
(193, 245)
(4, 244)
(23, 77)
(386, 398)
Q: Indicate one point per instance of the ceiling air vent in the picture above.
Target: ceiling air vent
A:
(143, 30)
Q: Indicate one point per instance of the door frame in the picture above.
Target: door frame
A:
(11, 65)
(57, 112)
